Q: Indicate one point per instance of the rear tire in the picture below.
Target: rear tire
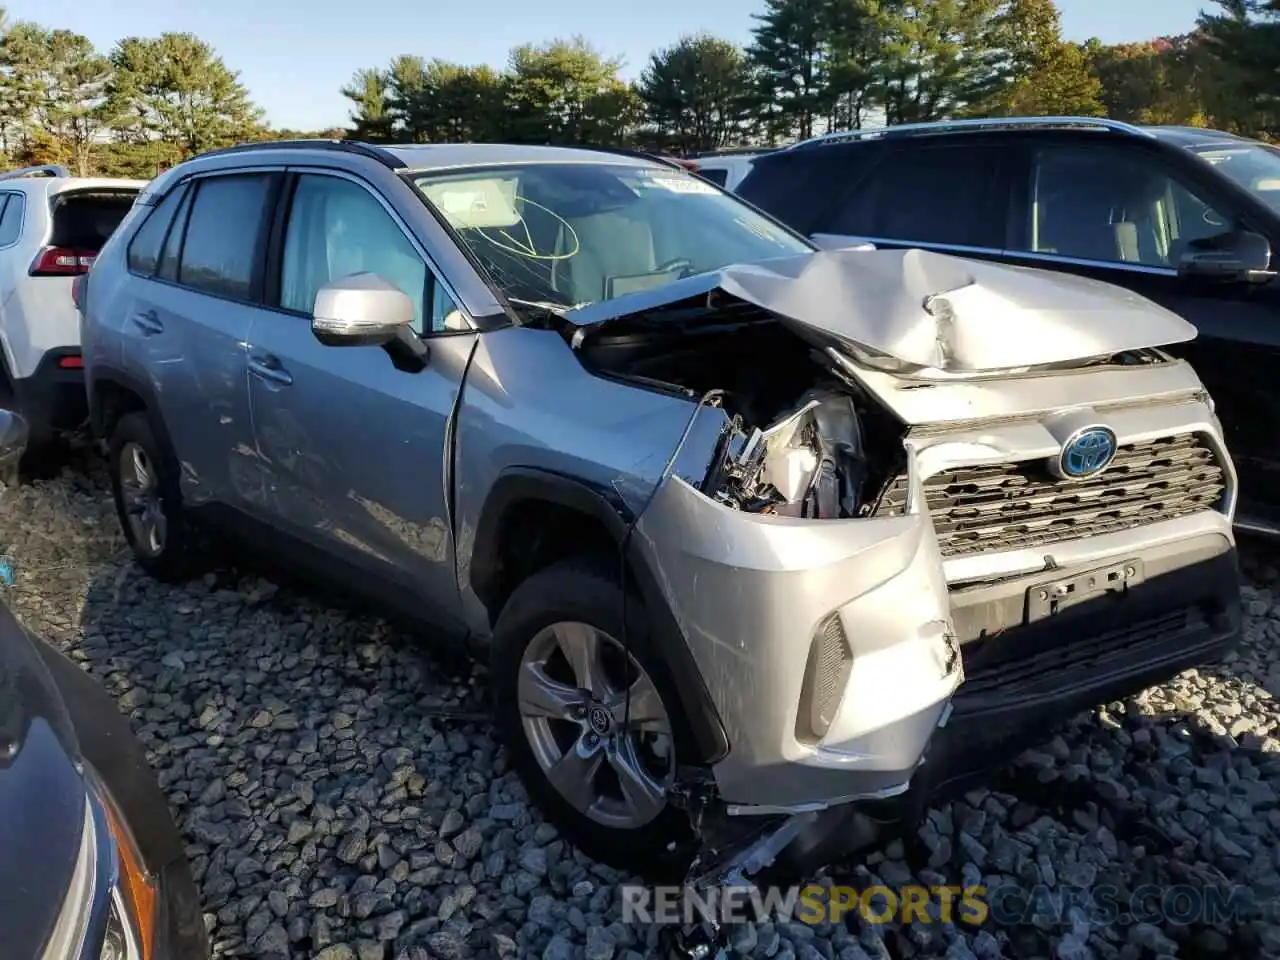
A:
(144, 483)
(600, 780)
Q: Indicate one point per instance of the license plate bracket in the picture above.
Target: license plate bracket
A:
(1054, 596)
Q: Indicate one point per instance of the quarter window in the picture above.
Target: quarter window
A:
(337, 228)
(1112, 207)
(220, 246)
(11, 218)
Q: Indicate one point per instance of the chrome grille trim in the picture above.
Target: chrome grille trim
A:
(1010, 506)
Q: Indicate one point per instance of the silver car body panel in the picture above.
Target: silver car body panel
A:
(620, 443)
(750, 591)
(1102, 388)
(934, 315)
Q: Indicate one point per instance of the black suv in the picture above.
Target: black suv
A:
(1183, 216)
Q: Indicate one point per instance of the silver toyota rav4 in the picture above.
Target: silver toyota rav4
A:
(749, 530)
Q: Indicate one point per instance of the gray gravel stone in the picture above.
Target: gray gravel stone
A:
(331, 812)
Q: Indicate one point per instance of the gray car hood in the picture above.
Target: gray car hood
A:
(929, 311)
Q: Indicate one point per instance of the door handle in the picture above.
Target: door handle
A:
(147, 323)
(269, 368)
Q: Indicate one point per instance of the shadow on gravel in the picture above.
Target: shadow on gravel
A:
(343, 798)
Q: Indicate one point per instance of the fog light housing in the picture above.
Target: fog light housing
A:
(826, 675)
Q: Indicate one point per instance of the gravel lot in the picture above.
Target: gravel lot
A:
(342, 798)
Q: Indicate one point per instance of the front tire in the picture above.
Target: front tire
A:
(148, 502)
(597, 765)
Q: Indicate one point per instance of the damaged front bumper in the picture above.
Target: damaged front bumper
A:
(826, 645)
(849, 661)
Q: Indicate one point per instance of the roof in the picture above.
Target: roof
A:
(53, 185)
(59, 178)
(439, 156)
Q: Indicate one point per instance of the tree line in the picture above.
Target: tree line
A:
(815, 65)
(811, 65)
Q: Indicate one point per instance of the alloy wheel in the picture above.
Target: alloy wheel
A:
(596, 724)
(140, 491)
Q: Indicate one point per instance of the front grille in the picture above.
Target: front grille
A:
(1010, 506)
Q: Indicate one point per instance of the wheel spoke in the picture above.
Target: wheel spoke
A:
(643, 795)
(645, 711)
(140, 471)
(541, 696)
(581, 647)
(574, 775)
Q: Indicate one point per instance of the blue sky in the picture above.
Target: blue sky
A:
(293, 55)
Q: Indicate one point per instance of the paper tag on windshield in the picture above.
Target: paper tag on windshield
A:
(683, 185)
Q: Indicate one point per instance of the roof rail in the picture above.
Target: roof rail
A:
(732, 152)
(43, 170)
(995, 123)
(373, 151)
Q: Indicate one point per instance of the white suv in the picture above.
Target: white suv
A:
(52, 226)
(727, 169)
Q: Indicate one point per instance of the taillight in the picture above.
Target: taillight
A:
(62, 262)
(71, 363)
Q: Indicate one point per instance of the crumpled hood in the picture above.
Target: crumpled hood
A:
(931, 311)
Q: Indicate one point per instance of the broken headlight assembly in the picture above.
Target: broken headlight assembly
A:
(811, 463)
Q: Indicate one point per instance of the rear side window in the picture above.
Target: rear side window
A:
(220, 248)
(718, 177)
(944, 195)
(144, 249)
(11, 217)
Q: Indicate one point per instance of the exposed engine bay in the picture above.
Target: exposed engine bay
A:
(804, 442)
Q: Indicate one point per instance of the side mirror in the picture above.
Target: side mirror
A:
(360, 310)
(1239, 256)
(834, 241)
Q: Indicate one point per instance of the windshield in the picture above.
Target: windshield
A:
(1252, 165)
(566, 235)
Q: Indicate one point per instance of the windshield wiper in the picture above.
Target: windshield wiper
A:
(541, 311)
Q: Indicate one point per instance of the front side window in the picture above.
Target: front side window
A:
(337, 228)
(1098, 204)
(566, 235)
(1254, 166)
(220, 247)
